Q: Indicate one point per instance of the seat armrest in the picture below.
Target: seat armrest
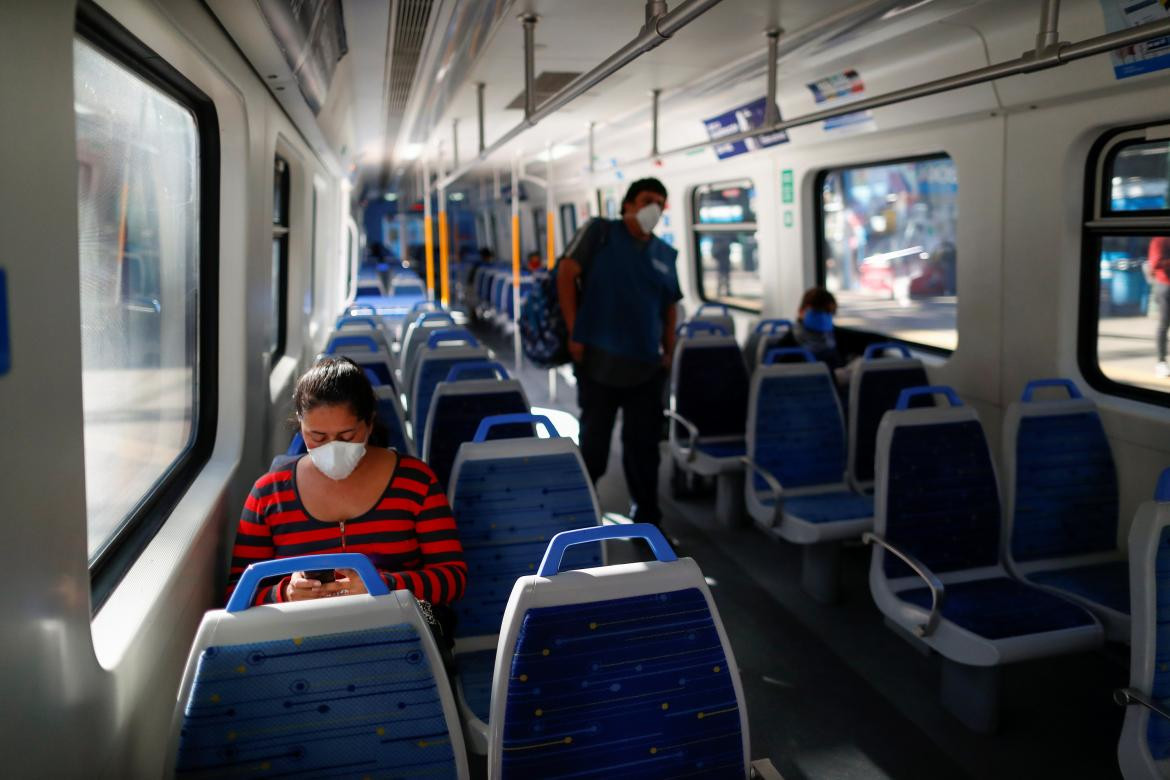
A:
(769, 478)
(692, 431)
(1128, 696)
(937, 589)
(762, 769)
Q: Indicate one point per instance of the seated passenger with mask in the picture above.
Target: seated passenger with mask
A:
(349, 495)
(814, 326)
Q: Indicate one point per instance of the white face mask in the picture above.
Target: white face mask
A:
(337, 459)
(647, 217)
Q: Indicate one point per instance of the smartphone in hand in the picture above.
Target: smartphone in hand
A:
(321, 575)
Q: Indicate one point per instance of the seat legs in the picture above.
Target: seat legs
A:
(820, 570)
(729, 502)
(971, 694)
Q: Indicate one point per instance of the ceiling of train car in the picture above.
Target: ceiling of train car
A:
(444, 47)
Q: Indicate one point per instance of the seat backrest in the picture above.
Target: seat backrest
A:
(795, 429)
(498, 286)
(349, 340)
(625, 669)
(455, 411)
(714, 314)
(418, 309)
(432, 368)
(709, 383)
(317, 687)
(1062, 494)
(767, 334)
(391, 417)
(510, 497)
(936, 492)
(417, 331)
(436, 338)
(378, 363)
(874, 387)
(1144, 748)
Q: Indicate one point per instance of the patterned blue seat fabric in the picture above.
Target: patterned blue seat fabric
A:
(507, 510)
(1105, 583)
(712, 390)
(1002, 607)
(723, 449)
(626, 688)
(458, 416)
(1066, 500)
(337, 705)
(389, 419)
(877, 394)
(829, 507)
(942, 498)
(430, 373)
(1158, 729)
(799, 438)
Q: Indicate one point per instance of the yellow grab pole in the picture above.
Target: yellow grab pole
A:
(550, 208)
(552, 240)
(428, 231)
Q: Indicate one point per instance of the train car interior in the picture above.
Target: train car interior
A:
(881, 289)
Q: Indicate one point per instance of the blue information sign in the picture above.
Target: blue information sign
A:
(746, 117)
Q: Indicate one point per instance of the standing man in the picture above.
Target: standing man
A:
(617, 289)
(1158, 272)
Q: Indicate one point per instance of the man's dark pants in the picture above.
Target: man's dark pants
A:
(1162, 297)
(641, 407)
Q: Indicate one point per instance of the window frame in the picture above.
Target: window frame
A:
(697, 228)
(1101, 221)
(115, 557)
(872, 336)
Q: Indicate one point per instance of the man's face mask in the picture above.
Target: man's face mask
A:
(819, 321)
(648, 216)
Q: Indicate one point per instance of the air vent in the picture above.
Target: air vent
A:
(547, 84)
(410, 32)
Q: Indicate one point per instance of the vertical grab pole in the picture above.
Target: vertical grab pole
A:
(479, 87)
(550, 210)
(654, 93)
(771, 114)
(444, 241)
(516, 260)
(428, 229)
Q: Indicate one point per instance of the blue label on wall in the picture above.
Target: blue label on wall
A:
(746, 117)
(5, 346)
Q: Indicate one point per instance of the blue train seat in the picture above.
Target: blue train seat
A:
(589, 672)
(432, 367)
(796, 486)
(458, 405)
(1063, 505)
(416, 310)
(1144, 748)
(416, 336)
(708, 409)
(714, 314)
(447, 337)
(874, 387)
(510, 497)
(936, 570)
(392, 418)
(509, 308)
(499, 283)
(484, 285)
(316, 688)
(767, 335)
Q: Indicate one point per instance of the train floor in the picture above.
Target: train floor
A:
(832, 692)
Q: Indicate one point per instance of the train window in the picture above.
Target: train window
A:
(568, 222)
(1138, 178)
(727, 255)
(310, 287)
(280, 224)
(142, 174)
(1125, 283)
(887, 249)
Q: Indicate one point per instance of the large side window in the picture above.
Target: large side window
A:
(1125, 288)
(280, 223)
(887, 249)
(146, 162)
(724, 225)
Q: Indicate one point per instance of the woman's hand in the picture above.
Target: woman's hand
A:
(301, 588)
(349, 583)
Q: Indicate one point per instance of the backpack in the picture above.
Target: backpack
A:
(543, 333)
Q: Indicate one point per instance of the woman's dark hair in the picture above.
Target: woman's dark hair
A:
(333, 381)
(818, 298)
(643, 185)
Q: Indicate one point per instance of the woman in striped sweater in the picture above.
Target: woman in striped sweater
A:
(349, 496)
